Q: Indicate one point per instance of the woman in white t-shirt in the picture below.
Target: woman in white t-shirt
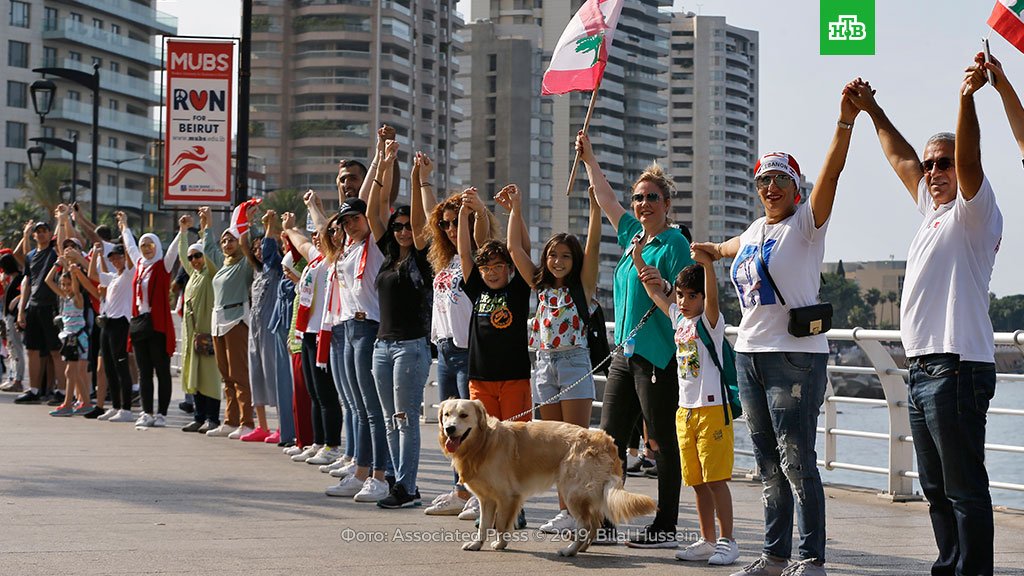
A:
(782, 377)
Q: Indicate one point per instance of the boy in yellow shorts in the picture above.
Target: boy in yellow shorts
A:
(703, 421)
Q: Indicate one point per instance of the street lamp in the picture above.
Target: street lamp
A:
(43, 95)
(118, 163)
(40, 155)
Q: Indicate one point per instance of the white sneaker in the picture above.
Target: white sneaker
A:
(293, 450)
(122, 416)
(348, 487)
(221, 431)
(144, 421)
(159, 421)
(699, 551)
(307, 453)
(326, 455)
(471, 511)
(562, 522)
(372, 491)
(239, 432)
(726, 552)
(346, 470)
(339, 463)
(447, 504)
(110, 413)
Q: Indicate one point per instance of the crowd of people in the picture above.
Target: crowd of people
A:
(335, 327)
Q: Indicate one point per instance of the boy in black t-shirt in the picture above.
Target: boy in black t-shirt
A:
(499, 357)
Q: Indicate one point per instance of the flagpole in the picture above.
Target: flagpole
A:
(586, 126)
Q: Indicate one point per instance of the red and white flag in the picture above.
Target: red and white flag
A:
(239, 219)
(581, 55)
(1006, 19)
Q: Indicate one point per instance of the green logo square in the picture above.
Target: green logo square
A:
(848, 27)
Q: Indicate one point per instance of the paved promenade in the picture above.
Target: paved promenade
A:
(81, 497)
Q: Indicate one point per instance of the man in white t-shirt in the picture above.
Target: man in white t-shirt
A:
(945, 326)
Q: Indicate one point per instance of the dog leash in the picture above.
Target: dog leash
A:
(618, 347)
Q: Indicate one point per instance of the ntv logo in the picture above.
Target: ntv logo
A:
(847, 27)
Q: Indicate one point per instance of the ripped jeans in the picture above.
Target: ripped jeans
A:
(782, 394)
(400, 369)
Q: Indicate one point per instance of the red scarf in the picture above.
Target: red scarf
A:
(159, 300)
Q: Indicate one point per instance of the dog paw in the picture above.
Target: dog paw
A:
(499, 544)
(472, 546)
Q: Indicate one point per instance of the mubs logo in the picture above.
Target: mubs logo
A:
(198, 100)
(847, 27)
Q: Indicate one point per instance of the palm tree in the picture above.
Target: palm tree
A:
(286, 200)
(893, 298)
(872, 297)
(44, 188)
(13, 218)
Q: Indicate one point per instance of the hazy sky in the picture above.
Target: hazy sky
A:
(921, 51)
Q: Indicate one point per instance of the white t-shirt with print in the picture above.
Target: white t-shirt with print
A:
(700, 381)
(944, 308)
(452, 310)
(360, 295)
(793, 249)
(312, 288)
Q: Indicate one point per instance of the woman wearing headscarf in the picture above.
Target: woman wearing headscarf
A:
(151, 329)
(229, 324)
(199, 374)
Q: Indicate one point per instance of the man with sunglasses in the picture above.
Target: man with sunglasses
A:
(944, 323)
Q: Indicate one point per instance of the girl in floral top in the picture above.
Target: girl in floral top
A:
(557, 332)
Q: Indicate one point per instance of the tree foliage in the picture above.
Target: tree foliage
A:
(1007, 313)
(286, 200)
(44, 188)
(13, 218)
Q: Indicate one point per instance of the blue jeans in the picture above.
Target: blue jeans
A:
(372, 445)
(452, 374)
(345, 392)
(948, 406)
(400, 369)
(285, 417)
(782, 394)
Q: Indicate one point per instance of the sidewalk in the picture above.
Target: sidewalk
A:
(84, 497)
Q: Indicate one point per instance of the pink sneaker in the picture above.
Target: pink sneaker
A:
(274, 438)
(257, 435)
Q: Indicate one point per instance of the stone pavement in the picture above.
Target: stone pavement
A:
(84, 497)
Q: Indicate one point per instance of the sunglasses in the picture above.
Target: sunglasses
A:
(943, 164)
(196, 256)
(650, 197)
(399, 226)
(446, 224)
(334, 230)
(781, 180)
(488, 268)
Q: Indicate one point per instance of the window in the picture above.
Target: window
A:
(49, 56)
(70, 134)
(112, 142)
(97, 61)
(17, 94)
(75, 56)
(17, 54)
(113, 104)
(76, 17)
(14, 173)
(115, 29)
(115, 67)
(17, 134)
(74, 95)
(19, 14)
(50, 19)
(48, 132)
(97, 23)
(492, 62)
(111, 180)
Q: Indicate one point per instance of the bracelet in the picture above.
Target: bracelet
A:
(426, 185)
(378, 182)
(845, 125)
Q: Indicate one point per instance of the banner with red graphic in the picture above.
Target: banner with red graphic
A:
(200, 96)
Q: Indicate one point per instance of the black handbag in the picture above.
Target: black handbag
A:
(806, 320)
(140, 327)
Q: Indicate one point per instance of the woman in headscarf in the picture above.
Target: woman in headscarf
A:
(199, 374)
(151, 329)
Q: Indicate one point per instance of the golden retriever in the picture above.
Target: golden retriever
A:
(504, 463)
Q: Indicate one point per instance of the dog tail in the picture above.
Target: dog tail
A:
(623, 505)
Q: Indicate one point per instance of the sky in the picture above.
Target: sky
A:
(920, 53)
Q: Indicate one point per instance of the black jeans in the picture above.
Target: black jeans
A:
(636, 387)
(206, 409)
(151, 355)
(323, 396)
(114, 349)
(949, 401)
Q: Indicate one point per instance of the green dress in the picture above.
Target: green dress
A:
(199, 372)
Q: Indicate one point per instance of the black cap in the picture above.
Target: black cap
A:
(41, 225)
(117, 249)
(352, 206)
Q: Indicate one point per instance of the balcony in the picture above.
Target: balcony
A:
(116, 82)
(79, 33)
(145, 166)
(355, 54)
(324, 80)
(78, 111)
(157, 21)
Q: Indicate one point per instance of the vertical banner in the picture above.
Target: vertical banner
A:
(200, 96)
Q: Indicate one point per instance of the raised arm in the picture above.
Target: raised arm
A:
(592, 251)
(184, 223)
(169, 255)
(63, 217)
(214, 257)
(23, 248)
(901, 155)
(1011, 102)
(86, 227)
(377, 209)
(711, 307)
(378, 157)
(130, 247)
(244, 241)
(51, 277)
(422, 198)
(79, 276)
(465, 244)
(652, 282)
(727, 249)
(95, 261)
(512, 199)
(297, 238)
(603, 192)
(967, 151)
(823, 195)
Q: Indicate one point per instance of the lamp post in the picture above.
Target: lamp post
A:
(117, 178)
(43, 93)
(37, 155)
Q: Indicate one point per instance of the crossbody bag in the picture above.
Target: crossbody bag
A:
(806, 320)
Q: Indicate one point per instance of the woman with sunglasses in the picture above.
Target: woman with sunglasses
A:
(645, 381)
(199, 374)
(452, 309)
(782, 377)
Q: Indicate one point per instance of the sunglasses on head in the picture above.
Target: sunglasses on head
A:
(196, 256)
(446, 224)
(650, 197)
(942, 164)
(399, 226)
(779, 179)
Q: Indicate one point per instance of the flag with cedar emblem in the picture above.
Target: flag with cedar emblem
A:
(579, 59)
(1006, 19)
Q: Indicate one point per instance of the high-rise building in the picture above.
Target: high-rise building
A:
(712, 124)
(325, 75)
(120, 38)
(627, 127)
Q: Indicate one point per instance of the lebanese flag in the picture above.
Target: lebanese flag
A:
(581, 55)
(1006, 19)
(239, 219)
